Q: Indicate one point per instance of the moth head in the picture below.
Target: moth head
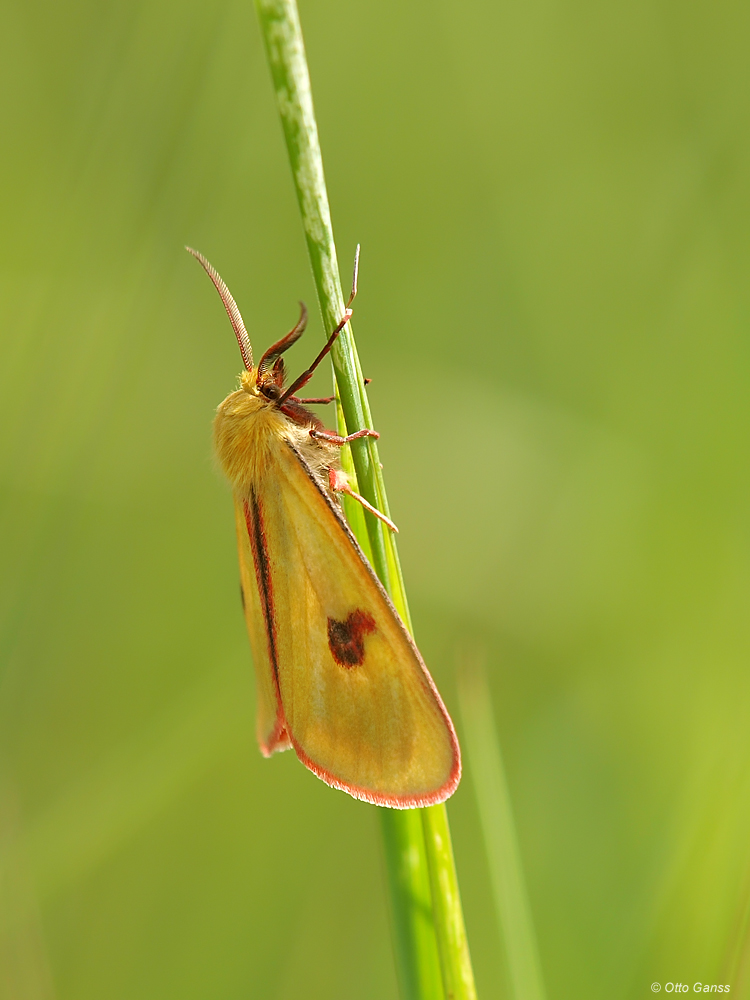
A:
(268, 378)
(268, 388)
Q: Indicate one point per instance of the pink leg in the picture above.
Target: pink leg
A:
(315, 399)
(319, 399)
(332, 438)
(339, 484)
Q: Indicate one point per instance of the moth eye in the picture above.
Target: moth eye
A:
(271, 390)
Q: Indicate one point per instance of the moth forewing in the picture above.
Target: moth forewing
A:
(360, 708)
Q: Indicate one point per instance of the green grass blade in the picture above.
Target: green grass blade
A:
(453, 946)
(412, 865)
(282, 34)
(735, 967)
(414, 940)
(496, 816)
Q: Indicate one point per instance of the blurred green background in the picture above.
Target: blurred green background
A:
(553, 200)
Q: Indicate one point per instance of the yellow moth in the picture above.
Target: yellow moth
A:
(339, 678)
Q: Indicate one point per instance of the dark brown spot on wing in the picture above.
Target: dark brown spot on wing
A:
(346, 639)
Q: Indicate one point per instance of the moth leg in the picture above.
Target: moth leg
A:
(339, 484)
(336, 439)
(317, 399)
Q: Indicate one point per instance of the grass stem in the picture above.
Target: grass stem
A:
(419, 859)
(453, 946)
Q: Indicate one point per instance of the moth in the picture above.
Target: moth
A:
(339, 678)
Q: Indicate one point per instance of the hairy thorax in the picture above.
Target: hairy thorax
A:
(247, 429)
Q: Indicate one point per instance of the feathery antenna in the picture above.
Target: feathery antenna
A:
(235, 317)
